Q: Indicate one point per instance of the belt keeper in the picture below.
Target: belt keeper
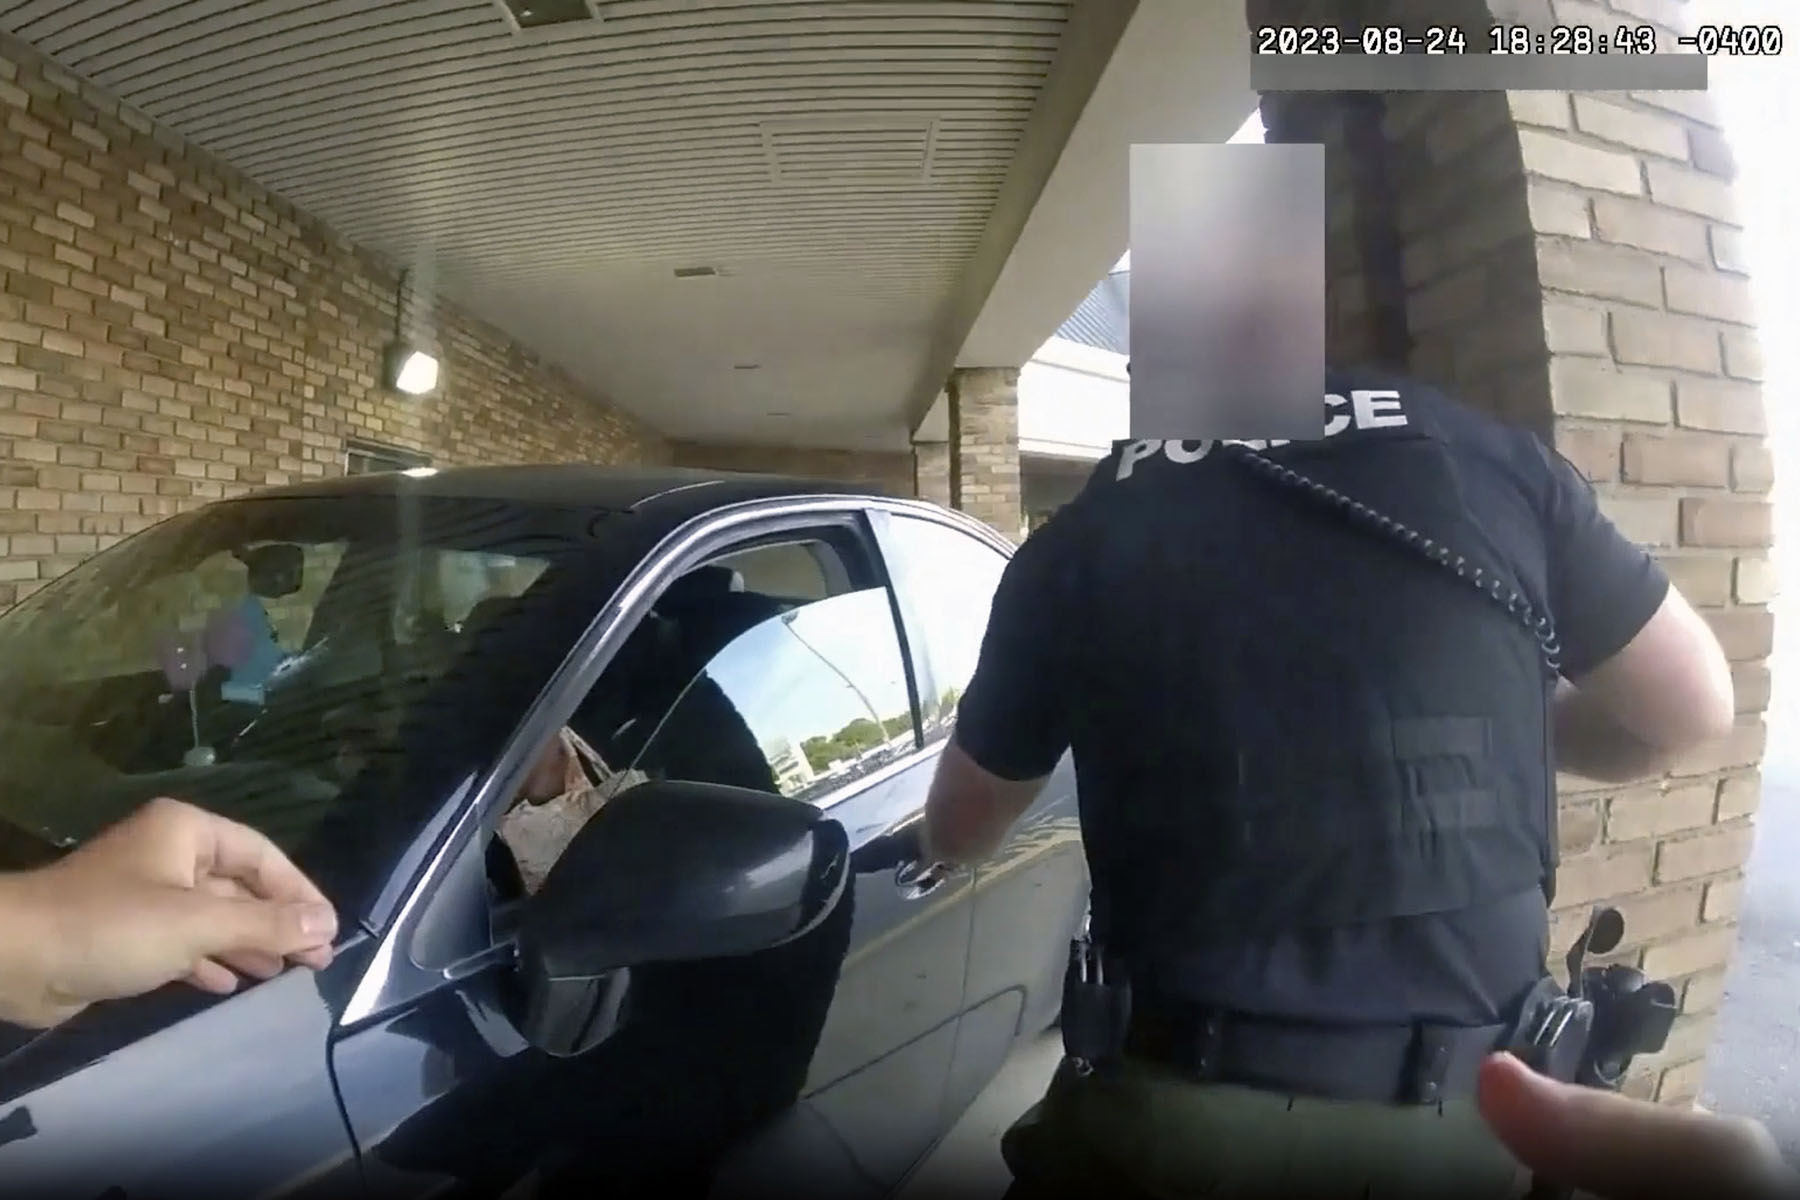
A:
(1429, 1067)
(1210, 1038)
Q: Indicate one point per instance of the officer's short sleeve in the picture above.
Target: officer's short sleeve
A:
(1011, 719)
(1603, 588)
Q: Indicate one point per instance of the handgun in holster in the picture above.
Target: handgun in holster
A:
(1589, 1033)
(1096, 1008)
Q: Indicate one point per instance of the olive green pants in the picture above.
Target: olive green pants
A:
(1137, 1130)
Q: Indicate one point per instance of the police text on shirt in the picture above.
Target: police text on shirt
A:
(1368, 410)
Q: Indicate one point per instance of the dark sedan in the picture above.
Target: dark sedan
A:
(727, 983)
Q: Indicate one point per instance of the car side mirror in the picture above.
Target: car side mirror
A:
(669, 872)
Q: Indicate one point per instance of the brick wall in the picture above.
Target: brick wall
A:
(172, 334)
(1574, 263)
(892, 472)
(931, 471)
(984, 447)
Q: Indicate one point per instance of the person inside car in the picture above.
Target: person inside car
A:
(170, 893)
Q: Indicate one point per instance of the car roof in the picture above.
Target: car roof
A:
(578, 485)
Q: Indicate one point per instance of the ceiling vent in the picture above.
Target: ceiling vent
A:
(839, 148)
(695, 272)
(526, 16)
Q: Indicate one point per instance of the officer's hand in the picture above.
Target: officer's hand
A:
(1622, 1149)
(172, 892)
(888, 851)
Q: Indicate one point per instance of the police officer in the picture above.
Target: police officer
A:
(1312, 691)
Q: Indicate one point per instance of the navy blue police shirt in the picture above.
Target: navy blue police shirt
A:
(1537, 514)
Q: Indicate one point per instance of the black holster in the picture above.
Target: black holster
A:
(1096, 1008)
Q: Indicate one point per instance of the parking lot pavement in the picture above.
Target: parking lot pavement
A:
(967, 1165)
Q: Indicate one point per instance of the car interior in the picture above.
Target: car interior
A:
(655, 690)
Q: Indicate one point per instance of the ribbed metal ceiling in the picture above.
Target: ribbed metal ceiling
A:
(836, 160)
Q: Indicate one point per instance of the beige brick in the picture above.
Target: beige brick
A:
(1583, 389)
(1594, 451)
(1721, 406)
(1750, 686)
(1604, 272)
(1701, 579)
(1659, 914)
(1745, 634)
(1575, 329)
(1717, 850)
(1698, 951)
(1679, 1085)
(1690, 191)
(1709, 294)
(1646, 520)
(1728, 250)
(1723, 899)
(1578, 827)
(1655, 810)
(1704, 992)
(1739, 796)
(1752, 468)
(1604, 874)
(1556, 157)
(1677, 460)
(1754, 581)
(1743, 354)
(1710, 522)
(1557, 210)
(1636, 128)
(1548, 109)
(1658, 340)
(1650, 227)
(1710, 151)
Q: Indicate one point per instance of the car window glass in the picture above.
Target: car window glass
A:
(759, 668)
(123, 635)
(946, 581)
(792, 570)
(800, 704)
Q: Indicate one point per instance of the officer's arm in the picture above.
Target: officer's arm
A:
(1010, 728)
(970, 808)
(1646, 679)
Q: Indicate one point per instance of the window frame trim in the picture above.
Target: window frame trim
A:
(394, 978)
(907, 613)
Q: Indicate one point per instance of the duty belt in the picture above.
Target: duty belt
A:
(1386, 1064)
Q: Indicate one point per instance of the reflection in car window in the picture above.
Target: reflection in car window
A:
(801, 704)
(946, 581)
(241, 657)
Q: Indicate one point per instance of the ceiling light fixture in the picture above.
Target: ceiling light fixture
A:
(404, 367)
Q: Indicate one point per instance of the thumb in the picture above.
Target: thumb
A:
(1615, 1147)
(213, 926)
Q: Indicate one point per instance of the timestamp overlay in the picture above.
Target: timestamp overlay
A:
(1510, 58)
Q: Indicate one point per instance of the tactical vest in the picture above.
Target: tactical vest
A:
(1313, 692)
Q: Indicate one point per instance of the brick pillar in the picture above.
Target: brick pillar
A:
(984, 447)
(1574, 263)
(931, 472)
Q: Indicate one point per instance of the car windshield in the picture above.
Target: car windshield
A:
(255, 657)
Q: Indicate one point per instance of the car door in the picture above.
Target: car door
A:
(178, 1094)
(1031, 896)
(823, 1060)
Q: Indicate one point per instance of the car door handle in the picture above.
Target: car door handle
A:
(916, 880)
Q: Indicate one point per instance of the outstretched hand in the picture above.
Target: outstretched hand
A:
(1617, 1148)
(171, 893)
